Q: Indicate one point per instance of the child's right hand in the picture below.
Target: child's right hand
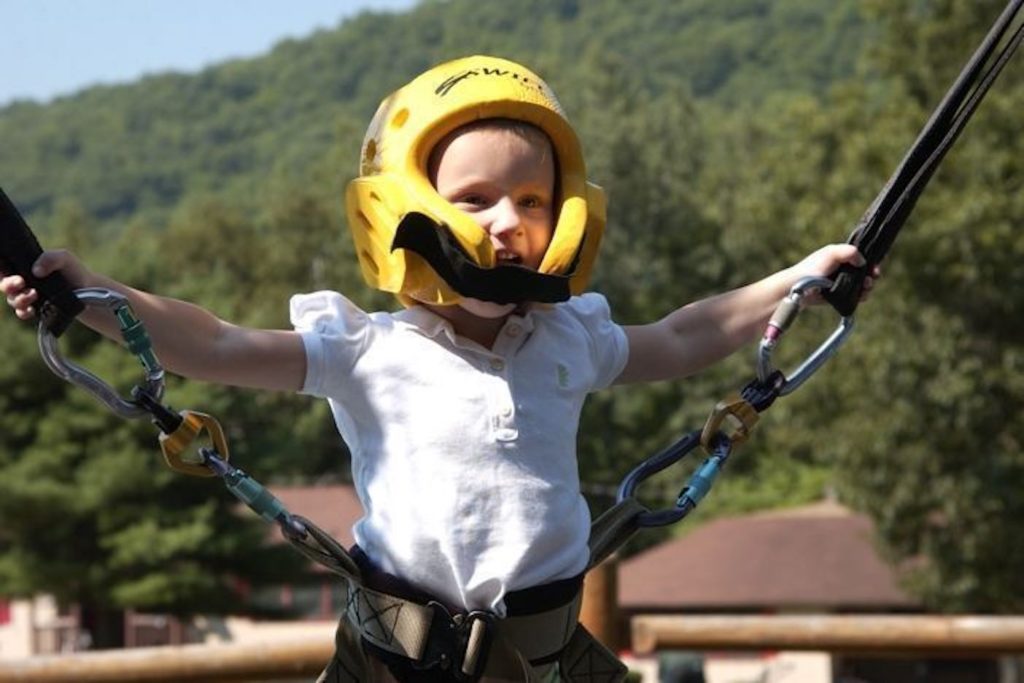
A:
(21, 297)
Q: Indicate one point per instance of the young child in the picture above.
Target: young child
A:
(461, 410)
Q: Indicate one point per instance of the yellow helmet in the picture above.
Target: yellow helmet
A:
(414, 243)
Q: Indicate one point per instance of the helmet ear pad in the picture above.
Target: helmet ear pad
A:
(437, 256)
(378, 205)
(394, 190)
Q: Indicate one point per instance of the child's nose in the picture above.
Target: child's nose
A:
(505, 218)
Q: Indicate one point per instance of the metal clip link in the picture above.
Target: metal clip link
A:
(175, 444)
(136, 339)
(783, 317)
(741, 415)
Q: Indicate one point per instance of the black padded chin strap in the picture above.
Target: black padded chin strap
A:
(505, 284)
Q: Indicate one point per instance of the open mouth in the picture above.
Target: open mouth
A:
(505, 258)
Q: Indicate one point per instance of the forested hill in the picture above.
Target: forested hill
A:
(232, 128)
(733, 137)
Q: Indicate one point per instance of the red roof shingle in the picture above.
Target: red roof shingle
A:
(816, 557)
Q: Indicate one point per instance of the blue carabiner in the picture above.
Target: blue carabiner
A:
(651, 466)
(783, 317)
(134, 336)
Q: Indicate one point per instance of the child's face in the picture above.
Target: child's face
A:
(505, 180)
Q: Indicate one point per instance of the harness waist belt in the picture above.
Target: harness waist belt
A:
(429, 635)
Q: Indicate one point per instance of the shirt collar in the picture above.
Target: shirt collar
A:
(430, 324)
(424, 321)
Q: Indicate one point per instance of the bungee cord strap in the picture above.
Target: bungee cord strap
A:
(57, 305)
(879, 226)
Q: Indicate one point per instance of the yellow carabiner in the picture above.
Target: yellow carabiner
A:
(192, 426)
(741, 415)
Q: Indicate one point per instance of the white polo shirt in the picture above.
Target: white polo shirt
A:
(464, 457)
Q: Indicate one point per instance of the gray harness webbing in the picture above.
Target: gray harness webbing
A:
(477, 644)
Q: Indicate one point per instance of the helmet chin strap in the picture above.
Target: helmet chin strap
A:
(503, 284)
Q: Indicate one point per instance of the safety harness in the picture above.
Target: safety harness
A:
(471, 645)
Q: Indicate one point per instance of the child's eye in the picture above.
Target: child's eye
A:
(532, 202)
(471, 200)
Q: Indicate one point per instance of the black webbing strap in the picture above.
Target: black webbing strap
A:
(57, 305)
(877, 229)
(505, 284)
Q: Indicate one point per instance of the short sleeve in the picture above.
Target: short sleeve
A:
(334, 332)
(608, 344)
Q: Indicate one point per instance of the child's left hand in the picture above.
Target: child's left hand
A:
(826, 261)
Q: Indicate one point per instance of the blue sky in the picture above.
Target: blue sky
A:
(56, 47)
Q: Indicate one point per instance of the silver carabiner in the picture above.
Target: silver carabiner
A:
(783, 317)
(118, 304)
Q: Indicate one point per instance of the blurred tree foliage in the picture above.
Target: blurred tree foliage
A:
(732, 138)
(939, 393)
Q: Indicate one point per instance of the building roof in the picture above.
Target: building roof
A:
(333, 508)
(817, 557)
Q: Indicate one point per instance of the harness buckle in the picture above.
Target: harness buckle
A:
(458, 643)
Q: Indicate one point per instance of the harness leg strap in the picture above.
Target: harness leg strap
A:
(587, 660)
(349, 663)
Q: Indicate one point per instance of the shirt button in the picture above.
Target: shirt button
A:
(513, 330)
(497, 364)
(507, 435)
(506, 411)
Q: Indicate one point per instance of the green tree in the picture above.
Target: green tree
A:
(939, 471)
(916, 415)
(92, 516)
(732, 138)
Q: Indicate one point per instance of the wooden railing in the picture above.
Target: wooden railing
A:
(303, 660)
(283, 660)
(831, 633)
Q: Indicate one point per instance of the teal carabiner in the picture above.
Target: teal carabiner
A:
(137, 341)
(783, 317)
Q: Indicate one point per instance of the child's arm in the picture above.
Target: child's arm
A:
(700, 334)
(189, 340)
